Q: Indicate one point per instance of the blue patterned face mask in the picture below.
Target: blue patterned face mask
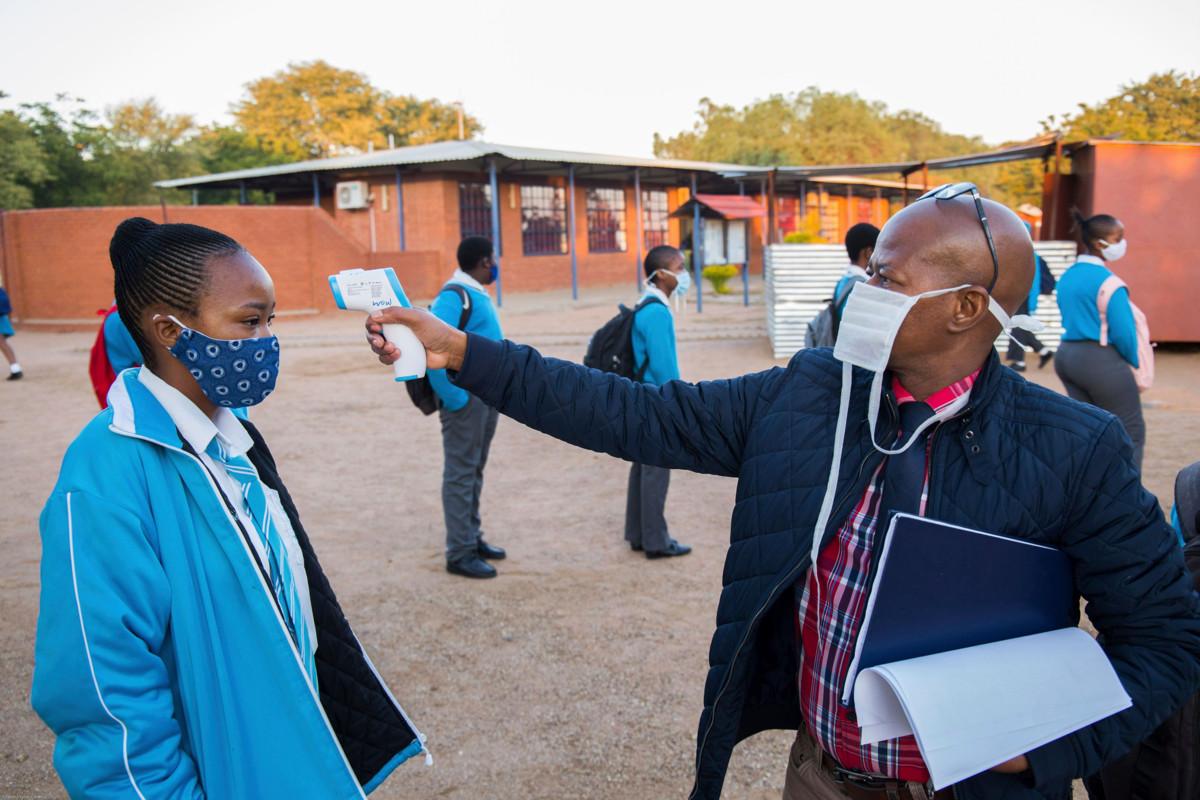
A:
(233, 373)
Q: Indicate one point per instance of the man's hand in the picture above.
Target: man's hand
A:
(1013, 767)
(445, 346)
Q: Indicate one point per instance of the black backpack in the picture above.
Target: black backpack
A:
(420, 391)
(822, 330)
(611, 347)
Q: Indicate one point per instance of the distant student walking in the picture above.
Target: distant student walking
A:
(467, 424)
(6, 333)
(1020, 339)
(1094, 364)
(655, 359)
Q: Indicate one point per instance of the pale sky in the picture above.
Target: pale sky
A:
(604, 76)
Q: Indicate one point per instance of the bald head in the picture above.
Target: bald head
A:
(946, 237)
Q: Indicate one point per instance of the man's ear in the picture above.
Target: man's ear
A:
(970, 308)
(865, 255)
(164, 331)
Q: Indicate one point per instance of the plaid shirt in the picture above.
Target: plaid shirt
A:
(828, 629)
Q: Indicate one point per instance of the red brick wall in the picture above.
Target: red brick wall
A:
(56, 267)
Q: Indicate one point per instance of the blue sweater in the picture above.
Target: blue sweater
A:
(162, 664)
(1081, 318)
(654, 344)
(483, 322)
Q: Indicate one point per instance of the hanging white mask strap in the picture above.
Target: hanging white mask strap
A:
(1022, 321)
(835, 468)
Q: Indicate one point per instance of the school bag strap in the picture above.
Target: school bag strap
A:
(1112, 284)
(465, 297)
(1143, 373)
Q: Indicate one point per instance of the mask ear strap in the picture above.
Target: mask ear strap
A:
(835, 468)
(1022, 321)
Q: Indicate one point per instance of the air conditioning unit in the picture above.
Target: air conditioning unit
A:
(353, 194)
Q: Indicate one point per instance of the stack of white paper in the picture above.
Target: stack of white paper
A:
(974, 708)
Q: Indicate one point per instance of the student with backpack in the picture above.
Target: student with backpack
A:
(467, 424)
(860, 244)
(1105, 357)
(1019, 339)
(652, 336)
(6, 333)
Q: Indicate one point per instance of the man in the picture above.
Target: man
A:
(860, 245)
(1020, 339)
(654, 355)
(1007, 456)
(467, 424)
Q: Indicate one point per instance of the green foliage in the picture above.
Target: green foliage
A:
(811, 127)
(313, 109)
(22, 162)
(803, 237)
(719, 276)
(1163, 108)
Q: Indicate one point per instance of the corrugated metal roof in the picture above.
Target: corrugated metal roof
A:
(445, 152)
(728, 206)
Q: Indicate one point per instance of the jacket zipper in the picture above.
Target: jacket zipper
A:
(266, 590)
(771, 597)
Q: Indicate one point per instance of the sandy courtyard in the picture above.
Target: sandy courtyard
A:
(579, 672)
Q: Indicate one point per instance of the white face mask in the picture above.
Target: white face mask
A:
(1113, 252)
(870, 322)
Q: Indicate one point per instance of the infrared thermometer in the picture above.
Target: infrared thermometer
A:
(370, 290)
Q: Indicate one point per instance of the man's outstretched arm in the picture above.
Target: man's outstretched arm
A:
(699, 427)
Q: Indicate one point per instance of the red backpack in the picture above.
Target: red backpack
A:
(99, 368)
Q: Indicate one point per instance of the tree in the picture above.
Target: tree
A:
(143, 144)
(1163, 108)
(313, 109)
(22, 162)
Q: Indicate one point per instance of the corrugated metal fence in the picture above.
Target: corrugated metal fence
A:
(800, 280)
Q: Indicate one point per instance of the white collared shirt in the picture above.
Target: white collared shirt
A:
(198, 431)
(466, 280)
(654, 291)
(855, 271)
(1088, 258)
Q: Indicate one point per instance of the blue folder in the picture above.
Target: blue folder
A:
(940, 587)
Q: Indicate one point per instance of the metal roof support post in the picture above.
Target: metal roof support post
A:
(803, 203)
(316, 183)
(762, 188)
(1054, 188)
(241, 193)
(400, 209)
(697, 248)
(905, 174)
(494, 183)
(571, 242)
(195, 197)
(924, 177)
(637, 208)
(745, 255)
(772, 216)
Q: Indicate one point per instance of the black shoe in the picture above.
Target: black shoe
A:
(15, 376)
(1045, 359)
(490, 552)
(471, 567)
(1017, 366)
(673, 549)
(637, 548)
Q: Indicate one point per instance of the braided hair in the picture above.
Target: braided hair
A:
(1089, 229)
(161, 264)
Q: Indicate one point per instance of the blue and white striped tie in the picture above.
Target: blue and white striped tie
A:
(283, 580)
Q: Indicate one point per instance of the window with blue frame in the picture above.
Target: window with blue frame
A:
(543, 220)
(606, 220)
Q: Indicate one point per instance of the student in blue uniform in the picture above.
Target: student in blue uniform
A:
(6, 333)
(860, 245)
(655, 358)
(1093, 373)
(467, 424)
(188, 642)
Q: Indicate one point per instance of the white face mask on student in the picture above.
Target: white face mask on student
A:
(1113, 252)
(870, 322)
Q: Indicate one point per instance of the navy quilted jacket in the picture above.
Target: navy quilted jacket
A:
(1020, 460)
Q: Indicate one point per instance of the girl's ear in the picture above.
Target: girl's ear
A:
(163, 331)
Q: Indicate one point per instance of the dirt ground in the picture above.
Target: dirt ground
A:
(579, 672)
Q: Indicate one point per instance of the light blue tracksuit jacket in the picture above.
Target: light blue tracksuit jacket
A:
(162, 662)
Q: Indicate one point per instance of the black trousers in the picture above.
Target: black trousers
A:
(1020, 336)
(1098, 375)
(645, 523)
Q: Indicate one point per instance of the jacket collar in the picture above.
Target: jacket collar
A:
(466, 280)
(137, 412)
